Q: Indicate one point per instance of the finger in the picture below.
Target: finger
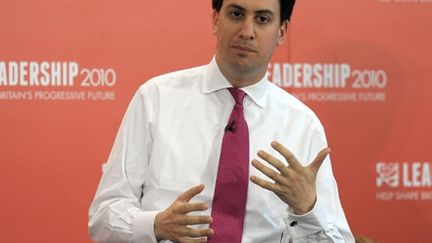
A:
(191, 240)
(281, 167)
(199, 233)
(190, 193)
(191, 232)
(266, 184)
(267, 171)
(193, 220)
(290, 158)
(319, 159)
(190, 207)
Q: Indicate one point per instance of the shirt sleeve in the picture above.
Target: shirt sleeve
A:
(115, 214)
(326, 222)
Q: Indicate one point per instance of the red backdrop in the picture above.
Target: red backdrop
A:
(69, 68)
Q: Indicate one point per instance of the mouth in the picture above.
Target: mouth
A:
(244, 49)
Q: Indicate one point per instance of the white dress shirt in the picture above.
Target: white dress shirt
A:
(170, 140)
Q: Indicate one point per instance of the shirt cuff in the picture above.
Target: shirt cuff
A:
(143, 227)
(306, 224)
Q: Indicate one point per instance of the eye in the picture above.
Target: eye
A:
(263, 19)
(236, 14)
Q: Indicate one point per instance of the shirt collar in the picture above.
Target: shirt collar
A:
(214, 80)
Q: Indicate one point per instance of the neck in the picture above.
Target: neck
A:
(241, 79)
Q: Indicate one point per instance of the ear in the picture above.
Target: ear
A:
(215, 21)
(282, 32)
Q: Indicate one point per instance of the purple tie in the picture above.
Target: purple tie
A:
(229, 200)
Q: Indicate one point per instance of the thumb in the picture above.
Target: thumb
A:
(319, 159)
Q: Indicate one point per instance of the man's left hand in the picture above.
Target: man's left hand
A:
(294, 184)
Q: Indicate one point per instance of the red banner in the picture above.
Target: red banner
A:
(69, 68)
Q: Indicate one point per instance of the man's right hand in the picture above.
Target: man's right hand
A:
(173, 223)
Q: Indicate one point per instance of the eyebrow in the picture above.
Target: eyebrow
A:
(262, 11)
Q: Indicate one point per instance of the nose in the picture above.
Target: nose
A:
(247, 31)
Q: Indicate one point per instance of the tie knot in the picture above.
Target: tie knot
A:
(238, 95)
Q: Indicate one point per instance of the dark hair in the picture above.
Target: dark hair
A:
(286, 8)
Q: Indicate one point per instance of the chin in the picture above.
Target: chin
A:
(242, 66)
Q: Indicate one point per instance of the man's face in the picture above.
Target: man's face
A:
(247, 33)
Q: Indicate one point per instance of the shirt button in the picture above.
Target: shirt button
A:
(293, 223)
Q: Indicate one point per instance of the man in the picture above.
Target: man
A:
(199, 154)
